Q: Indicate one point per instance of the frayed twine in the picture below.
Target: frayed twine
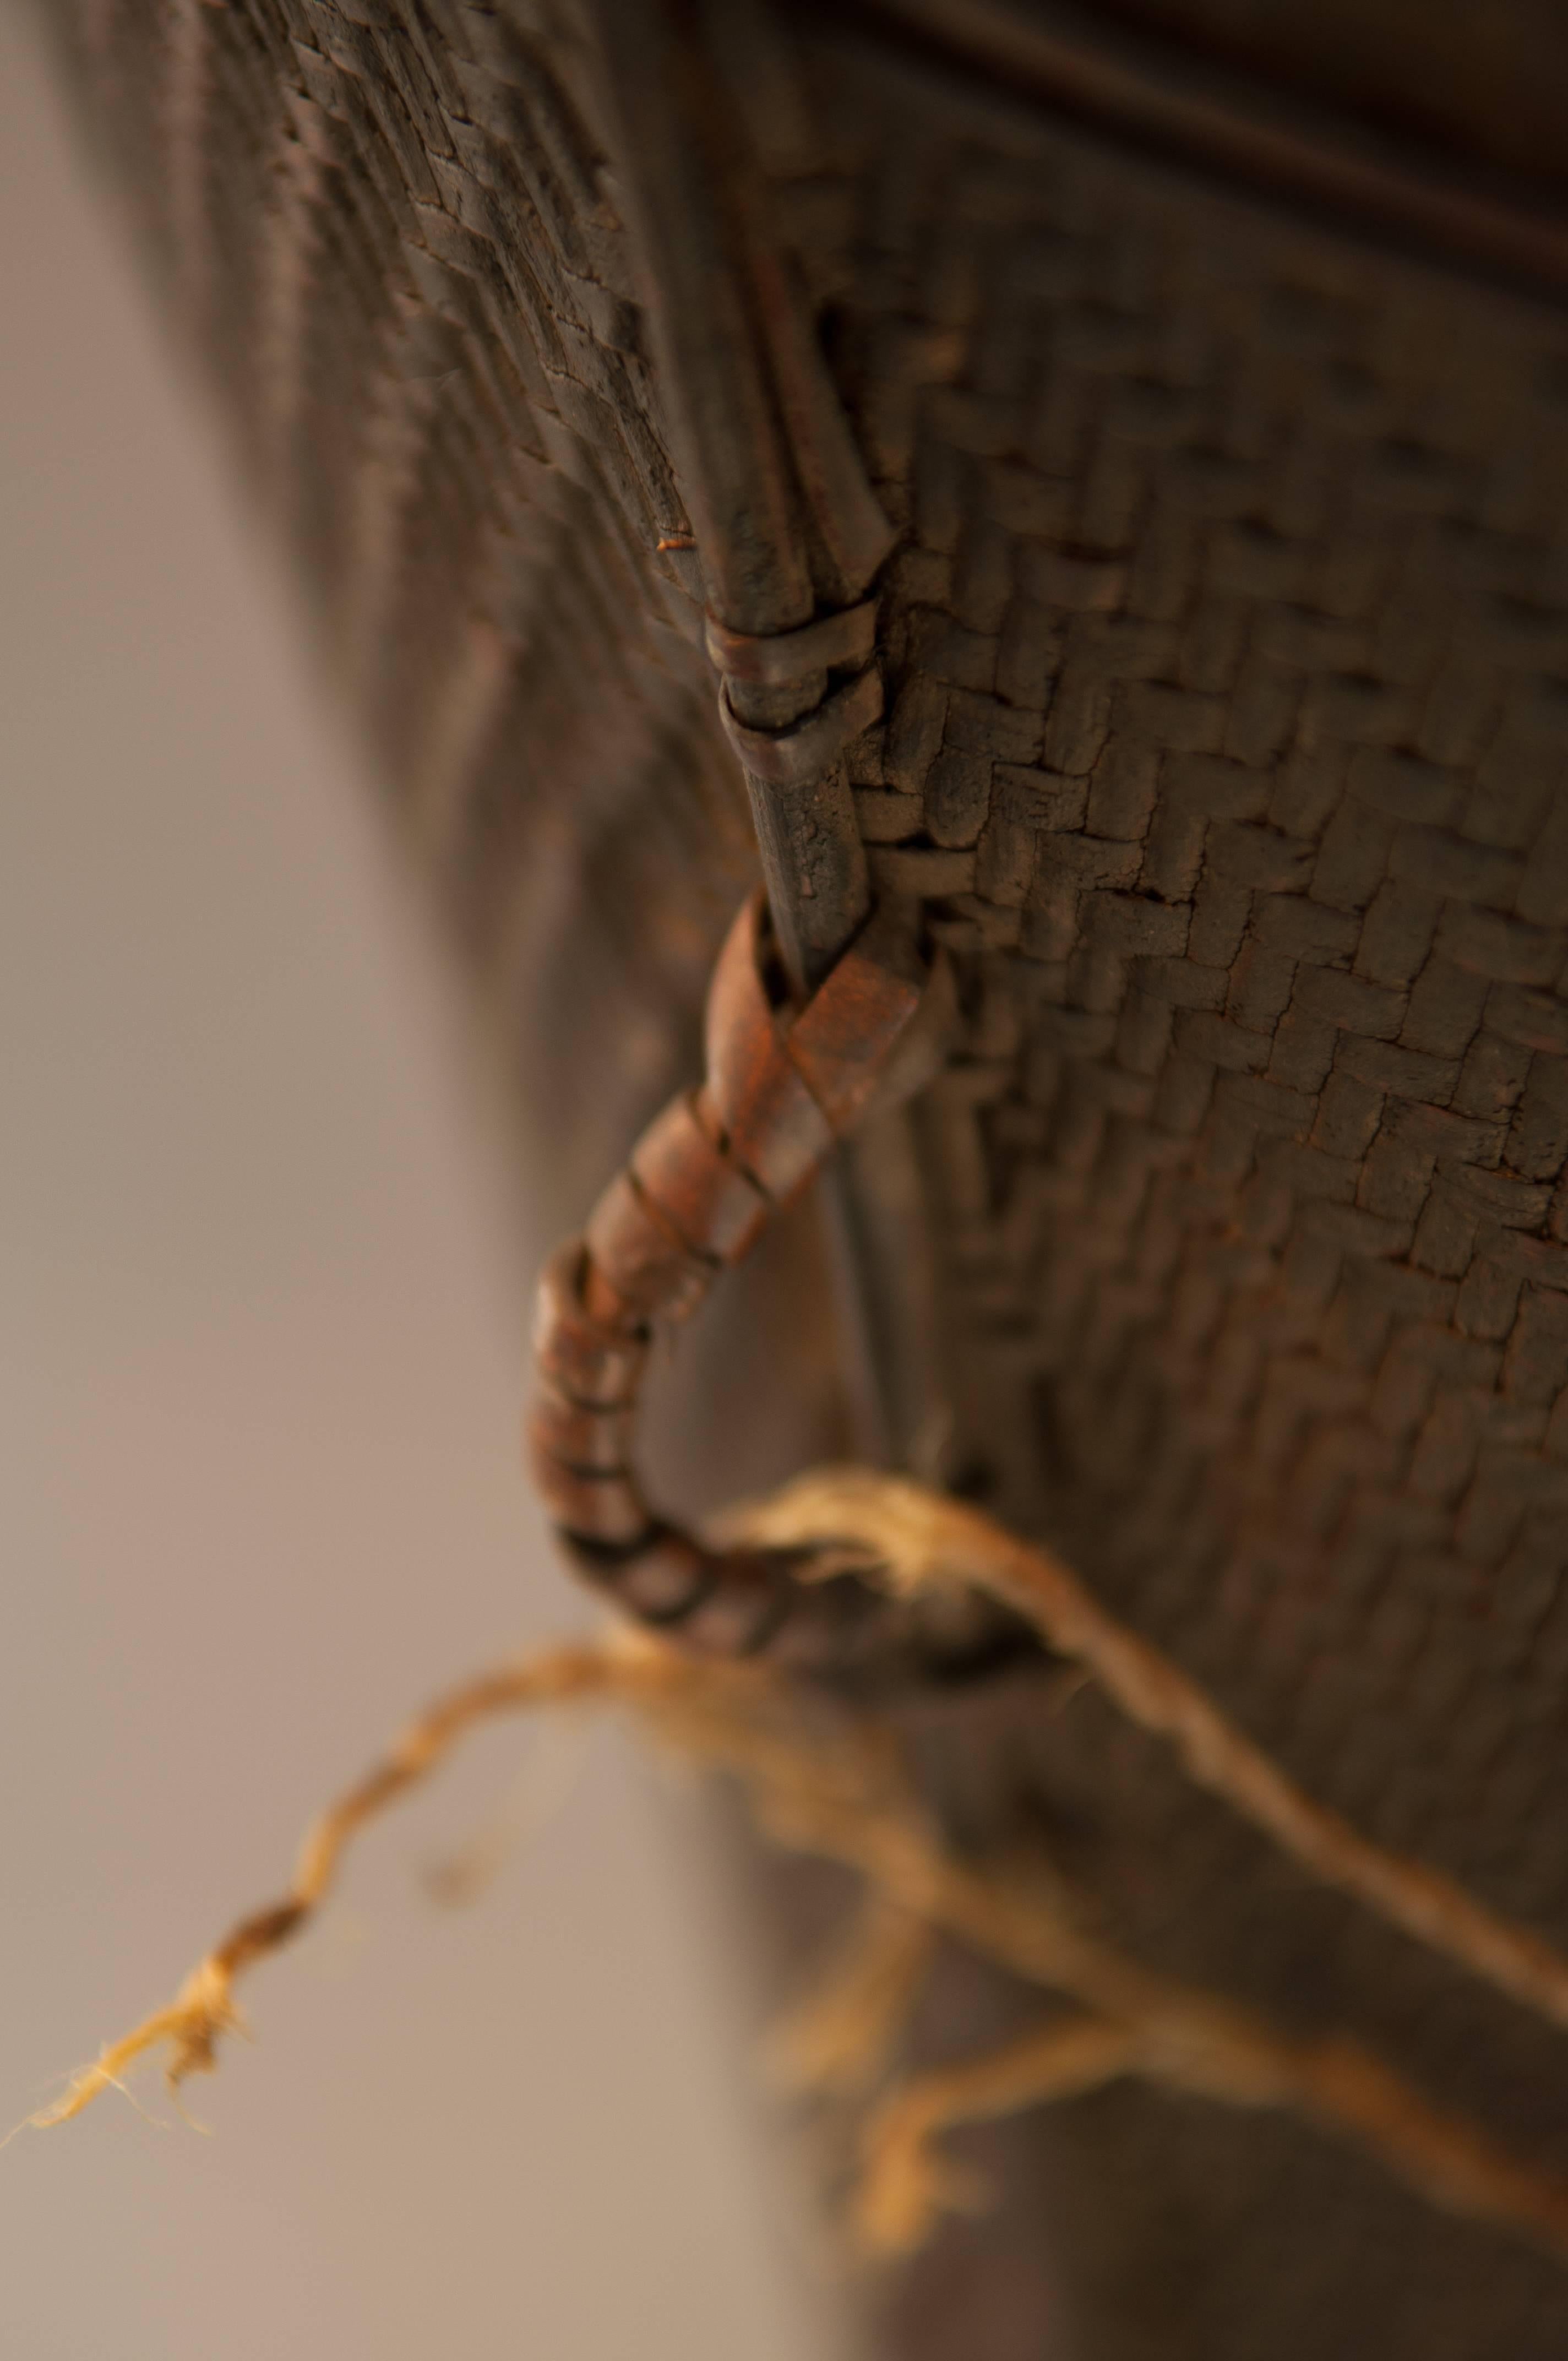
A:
(905, 2183)
(818, 1782)
(838, 2040)
(203, 2009)
(895, 1532)
(840, 1792)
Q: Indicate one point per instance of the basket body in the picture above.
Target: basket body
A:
(1226, 651)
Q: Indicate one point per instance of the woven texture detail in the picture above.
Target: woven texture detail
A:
(1225, 667)
(1228, 719)
(390, 233)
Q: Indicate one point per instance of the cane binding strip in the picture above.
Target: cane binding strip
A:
(702, 1183)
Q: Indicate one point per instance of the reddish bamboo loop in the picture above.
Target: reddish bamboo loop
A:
(703, 1182)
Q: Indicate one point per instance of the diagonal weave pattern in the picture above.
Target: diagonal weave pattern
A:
(390, 233)
(1229, 738)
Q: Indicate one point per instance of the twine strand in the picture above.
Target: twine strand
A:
(889, 1528)
(820, 1783)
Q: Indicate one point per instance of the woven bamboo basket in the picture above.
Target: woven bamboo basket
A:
(1190, 387)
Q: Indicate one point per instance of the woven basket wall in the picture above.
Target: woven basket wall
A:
(1227, 664)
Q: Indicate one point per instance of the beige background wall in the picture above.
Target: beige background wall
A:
(260, 1363)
